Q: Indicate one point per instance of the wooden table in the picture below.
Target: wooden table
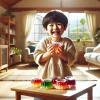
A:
(54, 94)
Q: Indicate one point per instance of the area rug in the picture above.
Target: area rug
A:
(27, 73)
(4, 73)
(89, 74)
(94, 72)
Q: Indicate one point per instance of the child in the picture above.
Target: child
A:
(54, 62)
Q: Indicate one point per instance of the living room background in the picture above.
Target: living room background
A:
(76, 30)
(79, 6)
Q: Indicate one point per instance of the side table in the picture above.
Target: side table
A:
(53, 94)
(81, 59)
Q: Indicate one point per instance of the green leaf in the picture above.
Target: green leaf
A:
(78, 40)
(17, 51)
(82, 21)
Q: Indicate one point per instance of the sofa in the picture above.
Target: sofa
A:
(28, 54)
(92, 55)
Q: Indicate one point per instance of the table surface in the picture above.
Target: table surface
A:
(61, 94)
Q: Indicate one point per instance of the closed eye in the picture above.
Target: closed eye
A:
(50, 24)
(59, 23)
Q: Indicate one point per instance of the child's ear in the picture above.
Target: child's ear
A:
(45, 29)
(65, 28)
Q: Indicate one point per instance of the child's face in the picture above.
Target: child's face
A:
(55, 29)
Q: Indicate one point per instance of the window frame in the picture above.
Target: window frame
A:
(67, 30)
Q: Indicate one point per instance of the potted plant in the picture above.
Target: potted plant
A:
(97, 35)
(81, 41)
(16, 51)
(84, 37)
(17, 54)
(82, 21)
(8, 13)
(2, 40)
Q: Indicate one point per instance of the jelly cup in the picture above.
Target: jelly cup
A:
(46, 84)
(61, 84)
(70, 81)
(53, 79)
(56, 45)
(36, 82)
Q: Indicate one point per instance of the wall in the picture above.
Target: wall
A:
(57, 3)
(49, 4)
(2, 10)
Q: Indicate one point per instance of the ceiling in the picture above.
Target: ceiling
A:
(28, 4)
(8, 3)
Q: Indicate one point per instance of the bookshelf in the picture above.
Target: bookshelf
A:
(4, 57)
(8, 34)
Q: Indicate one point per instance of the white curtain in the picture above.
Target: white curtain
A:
(93, 21)
(25, 22)
(28, 18)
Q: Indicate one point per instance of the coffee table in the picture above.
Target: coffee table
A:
(54, 94)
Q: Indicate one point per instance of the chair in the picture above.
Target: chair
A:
(28, 54)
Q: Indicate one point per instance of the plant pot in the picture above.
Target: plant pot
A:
(17, 58)
(5, 28)
(13, 19)
(2, 41)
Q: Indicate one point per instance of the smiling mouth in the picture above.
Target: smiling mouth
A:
(55, 33)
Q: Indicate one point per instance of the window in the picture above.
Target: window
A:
(74, 31)
(37, 31)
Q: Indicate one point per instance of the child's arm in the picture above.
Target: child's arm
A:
(48, 54)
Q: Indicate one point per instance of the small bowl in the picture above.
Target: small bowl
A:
(70, 81)
(61, 84)
(46, 84)
(36, 82)
(53, 79)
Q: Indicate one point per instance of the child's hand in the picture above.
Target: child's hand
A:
(50, 49)
(62, 54)
(60, 50)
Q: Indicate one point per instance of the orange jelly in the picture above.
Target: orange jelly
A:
(56, 45)
(36, 82)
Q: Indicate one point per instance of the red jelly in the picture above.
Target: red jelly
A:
(53, 79)
(36, 82)
(61, 84)
(70, 81)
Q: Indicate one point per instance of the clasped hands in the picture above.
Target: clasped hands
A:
(55, 49)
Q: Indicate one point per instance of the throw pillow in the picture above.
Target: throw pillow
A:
(32, 48)
(97, 49)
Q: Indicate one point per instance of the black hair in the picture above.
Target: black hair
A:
(54, 16)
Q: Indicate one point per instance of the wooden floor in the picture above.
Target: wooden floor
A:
(7, 94)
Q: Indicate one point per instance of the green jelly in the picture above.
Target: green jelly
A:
(46, 84)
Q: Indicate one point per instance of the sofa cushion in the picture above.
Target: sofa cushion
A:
(94, 57)
(32, 47)
(97, 48)
(87, 55)
(98, 58)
